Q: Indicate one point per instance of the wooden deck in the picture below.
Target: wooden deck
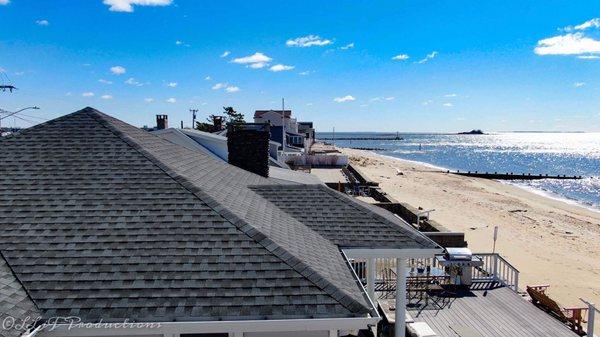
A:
(492, 312)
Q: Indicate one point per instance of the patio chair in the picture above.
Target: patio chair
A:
(571, 316)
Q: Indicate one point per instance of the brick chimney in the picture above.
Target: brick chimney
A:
(217, 123)
(248, 147)
(162, 122)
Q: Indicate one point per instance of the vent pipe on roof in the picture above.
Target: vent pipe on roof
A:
(162, 122)
(248, 147)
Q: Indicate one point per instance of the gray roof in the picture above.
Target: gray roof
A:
(103, 220)
(346, 223)
(15, 304)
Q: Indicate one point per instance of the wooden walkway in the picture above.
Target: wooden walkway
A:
(497, 312)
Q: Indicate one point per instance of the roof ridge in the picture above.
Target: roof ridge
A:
(245, 227)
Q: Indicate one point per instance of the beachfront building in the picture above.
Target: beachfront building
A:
(105, 223)
(307, 129)
(295, 140)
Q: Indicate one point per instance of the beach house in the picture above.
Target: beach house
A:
(294, 140)
(109, 230)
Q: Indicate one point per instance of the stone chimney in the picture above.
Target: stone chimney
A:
(248, 147)
(162, 122)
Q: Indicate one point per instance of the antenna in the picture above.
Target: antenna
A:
(283, 124)
(7, 85)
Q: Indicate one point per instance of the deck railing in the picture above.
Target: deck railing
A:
(494, 268)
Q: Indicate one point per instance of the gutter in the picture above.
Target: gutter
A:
(232, 327)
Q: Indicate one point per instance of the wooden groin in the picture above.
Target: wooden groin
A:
(368, 148)
(512, 176)
(360, 138)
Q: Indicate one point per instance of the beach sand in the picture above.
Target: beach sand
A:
(549, 241)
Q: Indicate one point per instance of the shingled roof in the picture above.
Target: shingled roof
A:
(14, 303)
(103, 220)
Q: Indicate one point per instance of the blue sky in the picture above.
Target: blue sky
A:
(356, 65)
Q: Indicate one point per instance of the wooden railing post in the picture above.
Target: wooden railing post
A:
(516, 281)
(495, 267)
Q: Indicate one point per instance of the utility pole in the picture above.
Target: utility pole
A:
(283, 124)
(193, 111)
(333, 136)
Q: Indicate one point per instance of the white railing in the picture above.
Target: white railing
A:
(494, 268)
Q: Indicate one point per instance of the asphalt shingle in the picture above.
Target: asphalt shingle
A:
(103, 220)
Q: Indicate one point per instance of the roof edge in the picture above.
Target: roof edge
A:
(251, 231)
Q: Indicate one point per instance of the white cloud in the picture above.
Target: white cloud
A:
(42, 22)
(588, 57)
(448, 104)
(181, 43)
(346, 98)
(593, 23)
(207, 78)
(171, 100)
(450, 95)
(232, 88)
(103, 81)
(308, 41)
(401, 57)
(258, 65)
(256, 61)
(225, 53)
(4, 2)
(378, 99)
(281, 67)
(219, 86)
(127, 5)
(172, 84)
(348, 46)
(149, 100)
(426, 103)
(133, 81)
(106, 97)
(568, 44)
(88, 94)
(118, 70)
(578, 84)
(304, 73)
(429, 56)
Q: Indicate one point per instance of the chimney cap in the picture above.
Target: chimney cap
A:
(263, 127)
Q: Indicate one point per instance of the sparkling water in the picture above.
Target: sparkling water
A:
(546, 153)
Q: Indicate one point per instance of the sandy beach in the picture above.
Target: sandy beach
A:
(549, 241)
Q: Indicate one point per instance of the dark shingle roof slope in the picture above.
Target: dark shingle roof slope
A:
(103, 220)
(17, 310)
(347, 223)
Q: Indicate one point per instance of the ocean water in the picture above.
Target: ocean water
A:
(517, 152)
